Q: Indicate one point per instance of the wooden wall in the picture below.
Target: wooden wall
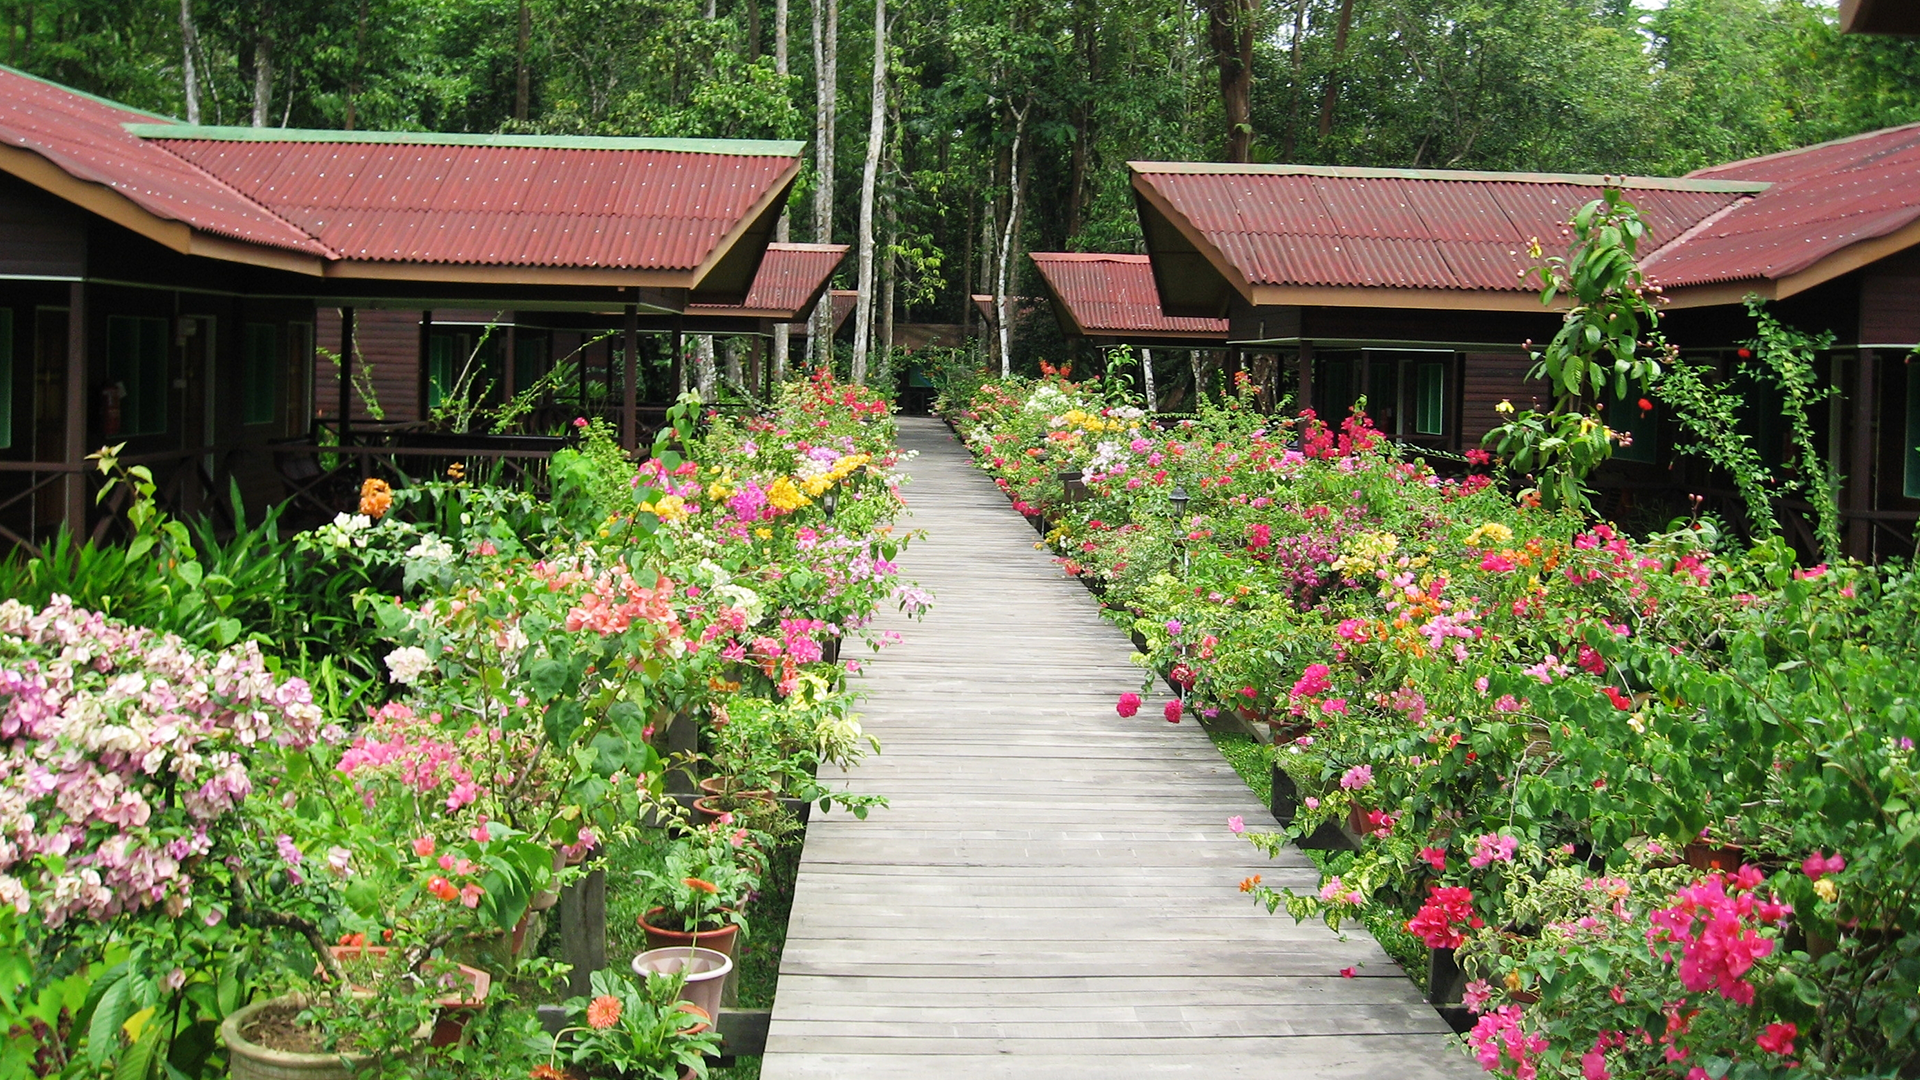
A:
(1890, 301)
(388, 342)
(1489, 379)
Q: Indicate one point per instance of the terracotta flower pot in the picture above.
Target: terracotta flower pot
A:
(1705, 856)
(708, 810)
(706, 972)
(721, 940)
(248, 1060)
(464, 998)
(727, 785)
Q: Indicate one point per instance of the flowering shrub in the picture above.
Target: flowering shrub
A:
(1540, 735)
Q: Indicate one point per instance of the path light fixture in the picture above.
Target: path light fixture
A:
(830, 500)
(1179, 498)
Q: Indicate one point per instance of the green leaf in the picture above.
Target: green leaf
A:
(109, 1016)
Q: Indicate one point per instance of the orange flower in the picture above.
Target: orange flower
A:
(443, 889)
(707, 887)
(1249, 883)
(376, 496)
(546, 1072)
(603, 1012)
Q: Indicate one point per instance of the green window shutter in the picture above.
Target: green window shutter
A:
(137, 361)
(1430, 400)
(6, 378)
(529, 362)
(260, 374)
(1912, 487)
(1642, 428)
(439, 369)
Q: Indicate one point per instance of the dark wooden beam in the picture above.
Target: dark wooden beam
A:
(76, 441)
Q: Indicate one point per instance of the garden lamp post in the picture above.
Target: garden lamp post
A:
(1179, 498)
(830, 500)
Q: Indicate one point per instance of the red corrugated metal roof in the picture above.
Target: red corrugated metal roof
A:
(403, 197)
(1114, 295)
(790, 281)
(497, 205)
(1300, 226)
(1821, 199)
(84, 136)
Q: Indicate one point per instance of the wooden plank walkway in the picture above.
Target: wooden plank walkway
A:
(1052, 893)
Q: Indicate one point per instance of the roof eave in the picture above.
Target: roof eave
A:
(1161, 222)
(1381, 296)
(726, 276)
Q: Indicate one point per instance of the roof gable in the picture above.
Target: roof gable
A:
(1114, 296)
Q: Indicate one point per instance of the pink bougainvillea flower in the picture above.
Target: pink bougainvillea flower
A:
(1236, 824)
(1476, 995)
(1620, 700)
(1496, 562)
(1435, 857)
(1442, 920)
(1357, 777)
(1778, 1038)
(470, 894)
(1173, 711)
(1492, 848)
(443, 889)
(480, 834)
(423, 846)
(1313, 682)
(1818, 866)
(1128, 705)
(1349, 973)
(1499, 1035)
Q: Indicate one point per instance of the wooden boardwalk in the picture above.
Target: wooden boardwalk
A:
(1052, 893)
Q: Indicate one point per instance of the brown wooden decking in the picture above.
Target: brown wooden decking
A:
(1053, 892)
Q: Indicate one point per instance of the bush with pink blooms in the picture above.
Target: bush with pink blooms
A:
(1539, 735)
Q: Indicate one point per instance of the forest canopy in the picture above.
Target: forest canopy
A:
(1081, 86)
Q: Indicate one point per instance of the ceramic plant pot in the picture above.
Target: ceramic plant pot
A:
(706, 972)
(248, 1060)
(721, 940)
(708, 809)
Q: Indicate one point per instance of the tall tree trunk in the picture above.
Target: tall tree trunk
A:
(263, 67)
(783, 231)
(522, 78)
(359, 62)
(826, 66)
(753, 30)
(1146, 377)
(1002, 309)
(703, 368)
(1333, 74)
(869, 177)
(1230, 34)
(189, 37)
(1294, 88)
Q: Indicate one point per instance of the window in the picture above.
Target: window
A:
(1642, 428)
(137, 366)
(1430, 399)
(529, 362)
(6, 378)
(260, 375)
(1912, 487)
(439, 369)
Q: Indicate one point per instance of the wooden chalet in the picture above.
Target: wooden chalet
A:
(1409, 288)
(179, 289)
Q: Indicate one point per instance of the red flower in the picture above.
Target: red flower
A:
(1620, 700)
(1348, 973)
(1173, 712)
(443, 889)
(1645, 405)
(1128, 705)
(1435, 857)
(1439, 923)
(1778, 1038)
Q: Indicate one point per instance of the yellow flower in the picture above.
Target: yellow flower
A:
(1827, 890)
(667, 508)
(783, 496)
(1503, 408)
(1492, 531)
(764, 534)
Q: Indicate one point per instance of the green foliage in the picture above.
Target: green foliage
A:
(1785, 357)
(1597, 348)
(1709, 416)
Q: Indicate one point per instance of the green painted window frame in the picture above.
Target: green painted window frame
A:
(6, 378)
(137, 359)
(1911, 489)
(1430, 398)
(259, 373)
(1623, 414)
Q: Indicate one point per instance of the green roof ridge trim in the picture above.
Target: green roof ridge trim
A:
(163, 118)
(210, 133)
(1662, 183)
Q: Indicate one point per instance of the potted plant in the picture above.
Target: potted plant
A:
(376, 1021)
(702, 972)
(632, 1030)
(700, 892)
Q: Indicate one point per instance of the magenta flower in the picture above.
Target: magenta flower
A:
(1128, 705)
(1313, 682)
(1435, 857)
(1492, 848)
(1173, 711)
(1357, 777)
(1236, 824)
(1818, 866)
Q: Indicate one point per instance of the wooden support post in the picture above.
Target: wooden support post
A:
(346, 375)
(583, 930)
(630, 388)
(1860, 479)
(507, 372)
(679, 365)
(1303, 399)
(423, 381)
(76, 441)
